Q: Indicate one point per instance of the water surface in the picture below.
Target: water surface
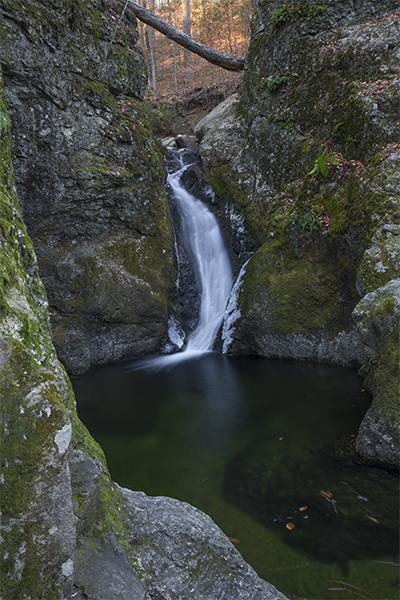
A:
(251, 442)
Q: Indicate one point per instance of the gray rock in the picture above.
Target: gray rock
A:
(378, 320)
(103, 576)
(181, 554)
(185, 141)
(169, 142)
(37, 528)
(376, 441)
(381, 260)
(218, 114)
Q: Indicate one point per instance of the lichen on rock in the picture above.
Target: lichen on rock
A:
(37, 523)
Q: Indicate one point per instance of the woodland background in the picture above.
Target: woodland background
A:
(221, 24)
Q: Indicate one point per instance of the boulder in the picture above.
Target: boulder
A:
(185, 141)
(378, 319)
(219, 113)
(177, 547)
(169, 142)
(37, 526)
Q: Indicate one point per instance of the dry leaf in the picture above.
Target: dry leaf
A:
(329, 494)
(303, 508)
(374, 520)
(290, 525)
(233, 540)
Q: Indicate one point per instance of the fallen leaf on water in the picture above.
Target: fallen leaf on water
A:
(327, 495)
(303, 508)
(290, 525)
(372, 519)
(233, 540)
(349, 585)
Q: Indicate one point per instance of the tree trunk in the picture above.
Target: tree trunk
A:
(150, 39)
(230, 63)
(187, 30)
(246, 27)
(173, 47)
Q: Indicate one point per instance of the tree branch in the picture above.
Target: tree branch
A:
(230, 63)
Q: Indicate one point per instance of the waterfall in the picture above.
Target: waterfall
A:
(203, 240)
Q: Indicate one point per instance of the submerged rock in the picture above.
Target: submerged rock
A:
(90, 176)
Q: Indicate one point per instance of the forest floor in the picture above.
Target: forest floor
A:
(179, 113)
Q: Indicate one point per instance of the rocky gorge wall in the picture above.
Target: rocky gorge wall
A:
(68, 531)
(91, 184)
(307, 160)
(90, 176)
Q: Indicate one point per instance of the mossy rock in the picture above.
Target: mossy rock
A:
(90, 176)
(378, 318)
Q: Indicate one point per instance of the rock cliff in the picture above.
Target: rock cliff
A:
(89, 175)
(67, 531)
(308, 160)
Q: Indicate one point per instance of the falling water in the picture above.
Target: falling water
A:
(203, 241)
(202, 237)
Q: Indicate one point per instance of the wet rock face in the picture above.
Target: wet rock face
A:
(89, 176)
(309, 158)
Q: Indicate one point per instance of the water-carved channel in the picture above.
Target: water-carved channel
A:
(255, 443)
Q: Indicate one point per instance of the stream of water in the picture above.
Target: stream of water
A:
(252, 442)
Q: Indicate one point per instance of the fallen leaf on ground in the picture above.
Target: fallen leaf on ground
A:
(303, 508)
(233, 540)
(290, 525)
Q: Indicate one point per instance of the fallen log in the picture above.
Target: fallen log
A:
(230, 63)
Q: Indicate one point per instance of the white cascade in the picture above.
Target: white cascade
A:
(232, 313)
(203, 239)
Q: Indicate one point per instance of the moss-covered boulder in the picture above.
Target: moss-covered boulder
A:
(310, 161)
(378, 318)
(37, 522)
(90, 175)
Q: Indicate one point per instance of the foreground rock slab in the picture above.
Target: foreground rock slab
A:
(181, 553)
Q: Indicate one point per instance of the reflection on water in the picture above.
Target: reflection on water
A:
(251, 442)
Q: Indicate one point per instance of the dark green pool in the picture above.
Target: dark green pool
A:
(252, 442)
